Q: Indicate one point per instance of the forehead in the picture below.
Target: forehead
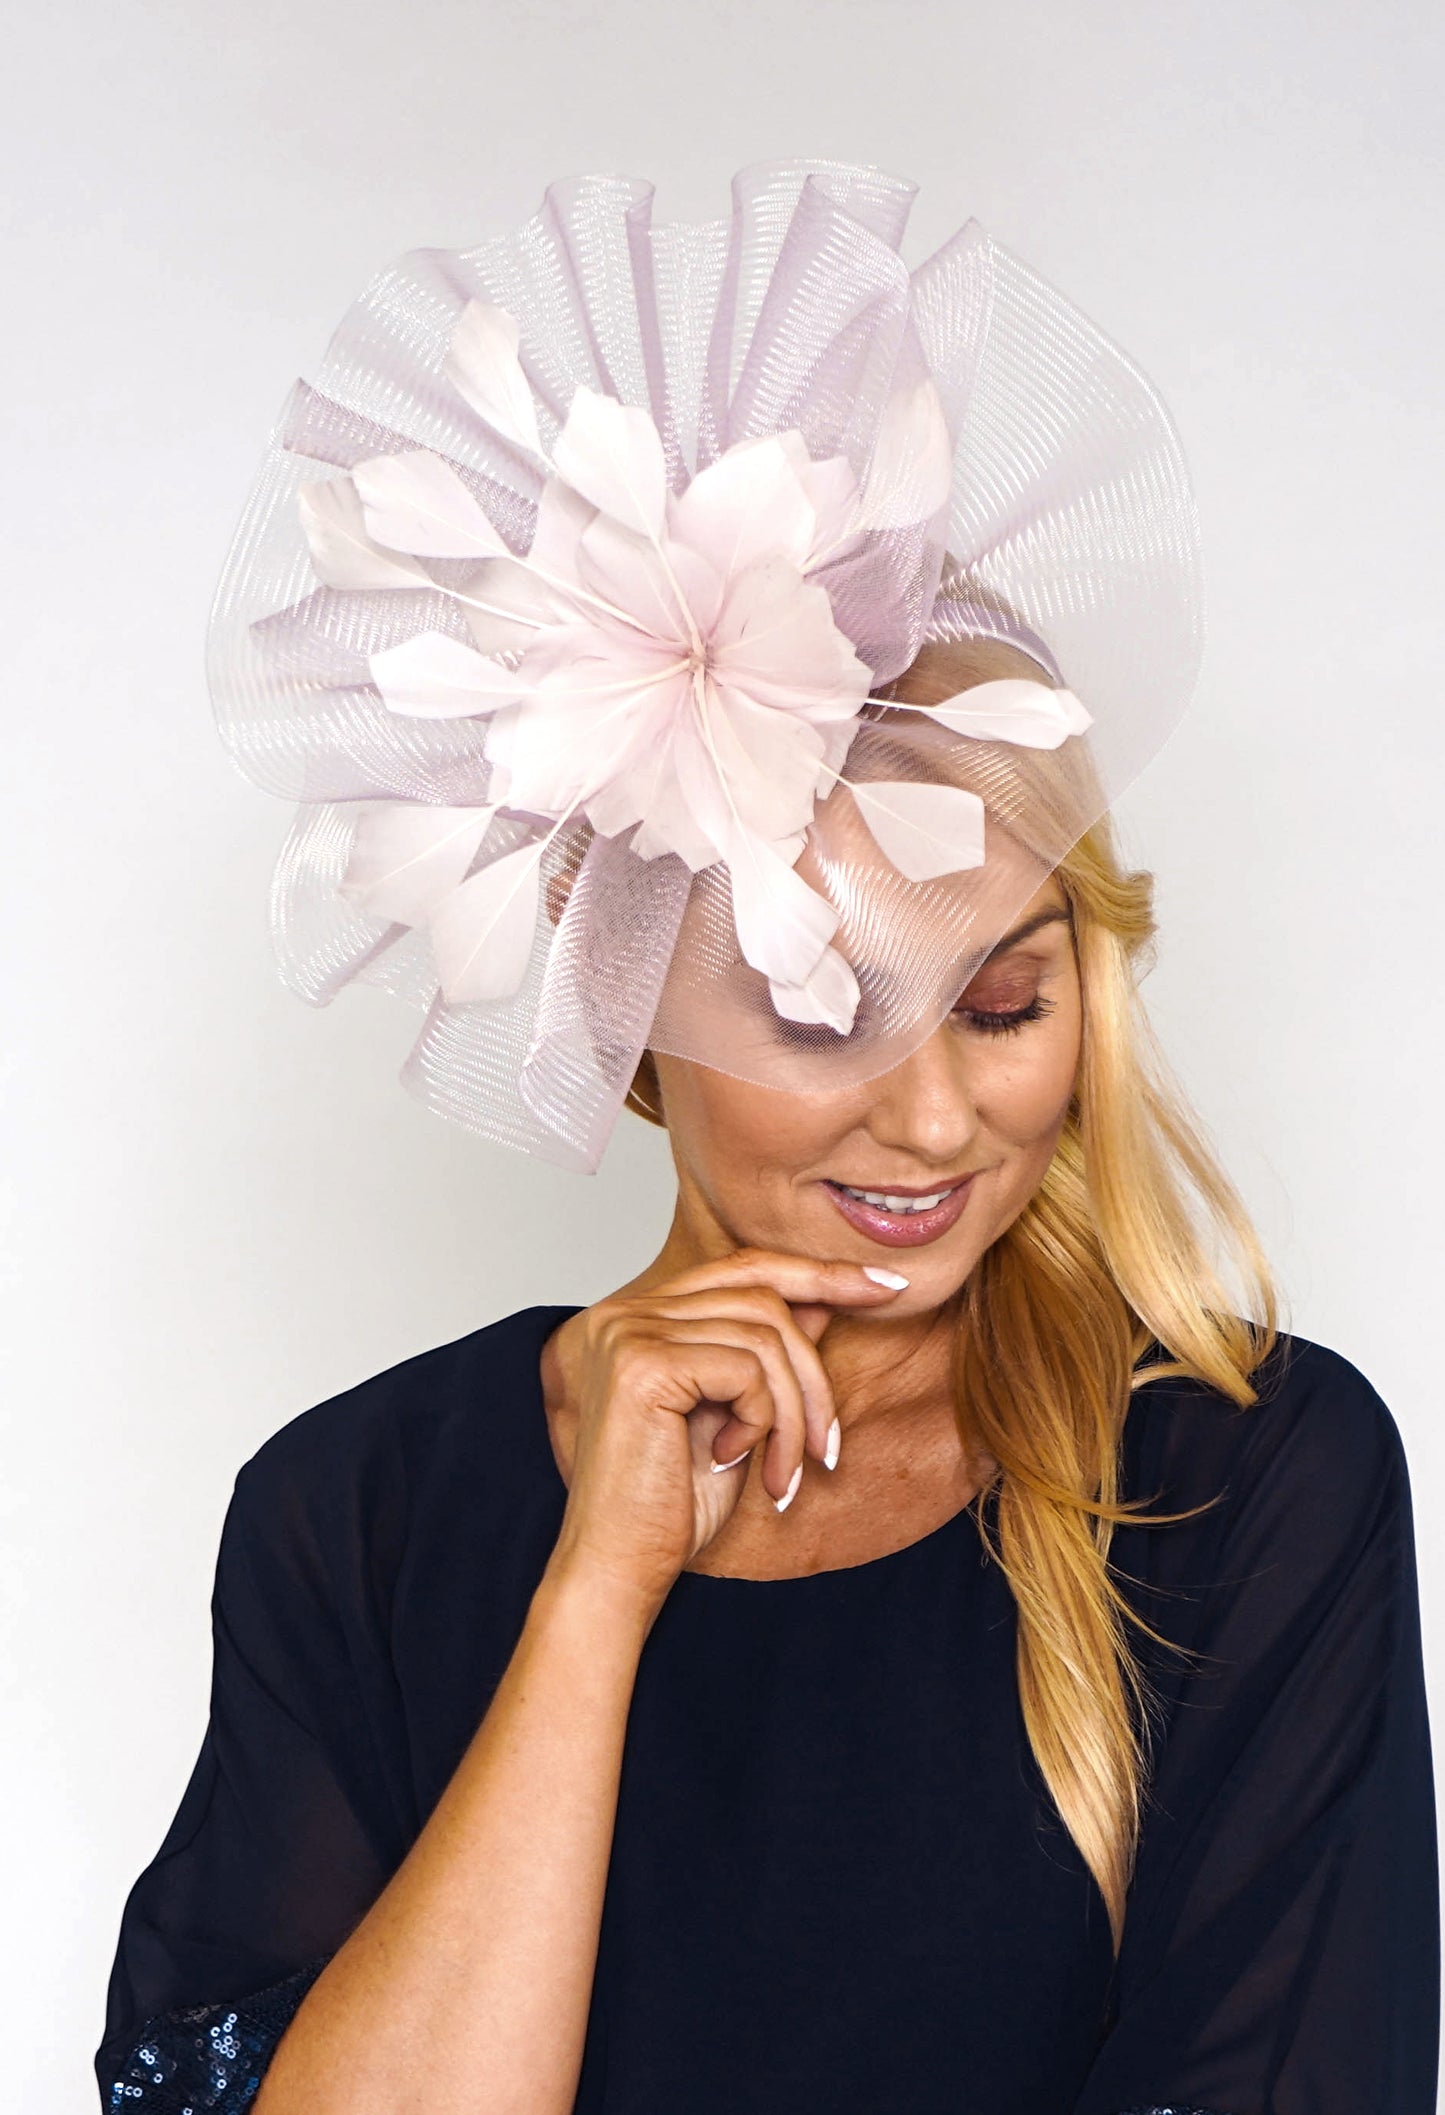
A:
(951, 922)
(1048, 911)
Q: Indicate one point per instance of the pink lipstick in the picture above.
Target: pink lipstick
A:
(900, 1227)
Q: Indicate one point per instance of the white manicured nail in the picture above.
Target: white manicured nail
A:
(734, 1462)
(884, 1277)
(835, 1441)
(790, 1494)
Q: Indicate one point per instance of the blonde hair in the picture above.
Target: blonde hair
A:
(1127, 1241)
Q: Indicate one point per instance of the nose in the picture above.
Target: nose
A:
(924, 1105)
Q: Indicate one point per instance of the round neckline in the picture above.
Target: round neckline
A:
(552, 1318)
(870, 1565)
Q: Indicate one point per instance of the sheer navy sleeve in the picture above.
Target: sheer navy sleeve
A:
(288, 1827)
(1281, 1954)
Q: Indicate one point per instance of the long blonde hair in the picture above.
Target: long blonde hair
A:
(1134, 1236)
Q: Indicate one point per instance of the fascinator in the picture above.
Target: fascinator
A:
(570, 604)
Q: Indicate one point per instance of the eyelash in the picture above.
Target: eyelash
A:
(1006, 1023)
(994, 1024)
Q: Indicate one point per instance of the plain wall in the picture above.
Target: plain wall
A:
(222, 1207)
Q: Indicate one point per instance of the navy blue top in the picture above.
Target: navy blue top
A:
(838, 1885)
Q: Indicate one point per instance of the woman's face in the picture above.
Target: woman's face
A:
(976, 1111)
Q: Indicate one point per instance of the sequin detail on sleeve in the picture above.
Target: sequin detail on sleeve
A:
(209, 2059)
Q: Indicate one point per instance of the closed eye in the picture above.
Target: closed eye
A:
(997, 1023)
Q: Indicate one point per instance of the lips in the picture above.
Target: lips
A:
(899, 1229)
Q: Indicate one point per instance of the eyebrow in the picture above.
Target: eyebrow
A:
(1055, 914)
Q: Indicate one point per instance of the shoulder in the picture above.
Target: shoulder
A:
(326, 1514)
(1293, 1506)
(1315, 1402)
(1319, 1435)
(372, 1439)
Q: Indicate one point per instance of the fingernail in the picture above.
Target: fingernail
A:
(889, 1278)
(835, 1441)
(791, 1493)
(734, 1462)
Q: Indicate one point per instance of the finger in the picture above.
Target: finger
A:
(787, 1439)
(812, 1320)
(675, 1365)
(801, 1280)
(760, 1304)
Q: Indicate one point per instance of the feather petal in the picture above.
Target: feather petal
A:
(630, 572)
(415, 501)
(612, 454)
(1013, 709)
(562, 515)
(769, 759)
(491, 632)
(407, 855)
(342, 553)
(436, 677)
(483, 367)
(512, 584)
(776, 639)
(925, 830)
(782, 924)
(482, 932)
(828, 995)
(833, 493)
(746, 505)
(910, 472)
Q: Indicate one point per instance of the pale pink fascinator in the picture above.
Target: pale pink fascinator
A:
(564, 600)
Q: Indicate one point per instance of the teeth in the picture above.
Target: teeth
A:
(889, 1203)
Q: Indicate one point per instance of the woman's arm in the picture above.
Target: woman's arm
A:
(467, 1984)
(303, 1929)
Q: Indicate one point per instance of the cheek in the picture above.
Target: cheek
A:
(1024, 1084)
(731, 1131)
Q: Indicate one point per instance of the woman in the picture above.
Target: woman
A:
(928, 1641)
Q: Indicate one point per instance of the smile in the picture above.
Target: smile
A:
(900, 1218)
(895, 1203)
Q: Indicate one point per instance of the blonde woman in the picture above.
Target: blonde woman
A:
(929, 1640)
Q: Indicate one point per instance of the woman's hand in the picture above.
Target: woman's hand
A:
(701, 1370)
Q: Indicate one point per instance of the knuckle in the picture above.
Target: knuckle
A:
(750, 1371)
(633, 1354)
(773, 1307)
(615, 1342)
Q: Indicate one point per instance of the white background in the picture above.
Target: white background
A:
(222, 1207)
